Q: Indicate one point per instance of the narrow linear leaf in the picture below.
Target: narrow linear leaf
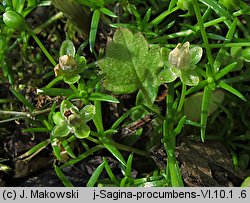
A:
(108, 12)
(98, 96)
(93, 29)
(123, 182)
(93, 179)
(82, 156)
(129, 165)
(220, 10)
(232, 90)
(68, 149)
(23, 99)
(204, 111)
(146, 17)
(110, 146)
(62, 177)
(180, 125)
(200, 86)
(36, 130)
(162, 16)
(34, 149)
(136, 14)
(124, 116)
(225, 70)
(50, 116)
(55, 91)
(110, 173)
(56, 148)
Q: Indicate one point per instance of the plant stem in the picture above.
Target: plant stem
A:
(74, 88)
(47, 54)
(54, 82)
(204, 35)
(170, 142)
(130, 149)
(98, 115)
(54, 18)
(182, 99)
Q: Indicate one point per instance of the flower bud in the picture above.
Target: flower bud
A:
(67, 64)
(180, 57)
(15, 21)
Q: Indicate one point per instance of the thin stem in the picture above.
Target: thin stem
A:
(54, 82)
(98, 116)
(204, 35)
(182, 99)
(169, 140)
(47, 54)
(54, 18)
(74, 88)
(130, 149)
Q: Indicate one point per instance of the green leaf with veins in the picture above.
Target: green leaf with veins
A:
(130, 65)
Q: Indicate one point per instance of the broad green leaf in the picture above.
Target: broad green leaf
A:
(93, 179)
(129, 63)
(62, 177)
(154, 65)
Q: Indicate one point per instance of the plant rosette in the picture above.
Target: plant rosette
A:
(181, 62)
(71, 120)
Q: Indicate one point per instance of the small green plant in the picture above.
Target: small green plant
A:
(71, 120)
